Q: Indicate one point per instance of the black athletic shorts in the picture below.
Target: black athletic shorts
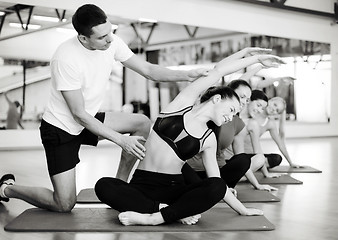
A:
(62, 148)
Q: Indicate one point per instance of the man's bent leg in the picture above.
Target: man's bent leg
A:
(62, 199)
(135, 125)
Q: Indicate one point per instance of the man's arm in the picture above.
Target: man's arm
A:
(75, 103)
(157, 73)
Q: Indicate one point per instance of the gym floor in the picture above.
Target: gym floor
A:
(306, 211)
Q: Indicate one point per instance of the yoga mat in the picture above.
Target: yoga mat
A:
(284, 179)
(105, 220)
(87, 195)
(244, 194)
(288, 169)
(249, 194)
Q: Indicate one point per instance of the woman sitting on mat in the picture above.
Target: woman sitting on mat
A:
(157, 192)
(261, 117)
(237, 164)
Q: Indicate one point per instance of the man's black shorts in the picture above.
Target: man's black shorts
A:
(62, 148)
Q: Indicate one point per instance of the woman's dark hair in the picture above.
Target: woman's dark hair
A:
(258, 95)
(225, 92)
(234, 84)
(86, 17)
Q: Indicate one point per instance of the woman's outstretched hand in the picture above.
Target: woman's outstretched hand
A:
(250, 51)
(270, 60)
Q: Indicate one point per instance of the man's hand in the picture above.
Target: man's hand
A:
(133, 145)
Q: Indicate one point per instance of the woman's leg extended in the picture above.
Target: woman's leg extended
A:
(235, 168)
(194, 199)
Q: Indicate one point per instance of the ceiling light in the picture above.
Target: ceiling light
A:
(2, 13)
(147, 20)
(19, 25)
(45, 18)
(66, 30)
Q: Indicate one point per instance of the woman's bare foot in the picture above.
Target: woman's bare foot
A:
(135, 218)
(190, 220)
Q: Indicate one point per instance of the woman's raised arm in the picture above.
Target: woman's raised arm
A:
(189, 95)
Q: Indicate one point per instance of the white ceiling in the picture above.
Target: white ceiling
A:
(172, 15)
(49, 33)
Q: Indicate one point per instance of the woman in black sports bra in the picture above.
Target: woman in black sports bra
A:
(157, 192)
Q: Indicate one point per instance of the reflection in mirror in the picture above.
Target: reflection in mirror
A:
(309, 63)
(22, 87)
(304, 82)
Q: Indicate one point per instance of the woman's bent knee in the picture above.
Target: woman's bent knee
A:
(101, 186)
(217, 189)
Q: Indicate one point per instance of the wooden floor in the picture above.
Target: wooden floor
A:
(307, 211)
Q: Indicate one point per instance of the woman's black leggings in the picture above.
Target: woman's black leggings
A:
(231, 172)
(147, 190)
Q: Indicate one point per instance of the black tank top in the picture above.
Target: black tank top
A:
(170, 127)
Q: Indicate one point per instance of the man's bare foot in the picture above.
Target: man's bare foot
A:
(190, 220)
(135, 218)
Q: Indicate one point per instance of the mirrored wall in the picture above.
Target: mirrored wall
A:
(307, 96)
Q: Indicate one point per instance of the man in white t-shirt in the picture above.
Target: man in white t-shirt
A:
(80, 70)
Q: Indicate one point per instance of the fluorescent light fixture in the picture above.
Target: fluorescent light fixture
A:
(2, 13)
(147, 20)
(66, 30)
(45, 18)
(114, 26)
(30, 26)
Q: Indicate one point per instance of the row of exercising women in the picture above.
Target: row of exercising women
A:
(158, 191)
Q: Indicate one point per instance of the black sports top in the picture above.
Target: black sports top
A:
(170, 127)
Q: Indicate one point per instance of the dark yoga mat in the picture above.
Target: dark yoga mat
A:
(247, 194)
(288, 169)
(105, 220)
(87, 195)
(284, 179)
(244, 194)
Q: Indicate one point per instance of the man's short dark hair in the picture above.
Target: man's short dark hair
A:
(86, 17)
